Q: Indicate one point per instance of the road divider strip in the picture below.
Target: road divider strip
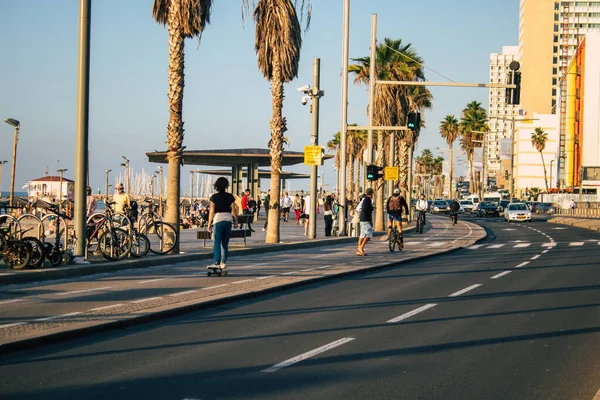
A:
(57, 317)
(465, 290)
(183, 293)
(145, 300)
(308, 354)
(411, 313)
(106, 307)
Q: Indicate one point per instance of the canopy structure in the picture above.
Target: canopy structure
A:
(243, 162)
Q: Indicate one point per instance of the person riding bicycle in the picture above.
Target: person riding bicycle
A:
(394, 206)
(422, 206)
(454, 207)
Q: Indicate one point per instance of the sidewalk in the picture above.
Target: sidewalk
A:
(580, 222)
(37, 314)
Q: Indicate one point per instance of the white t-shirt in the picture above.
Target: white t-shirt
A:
(286, 202)
(307, 205)
(422, 205)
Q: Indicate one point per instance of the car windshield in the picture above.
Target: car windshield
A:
(440, 203)
(486, 204)
(517, 207)
(463, 202)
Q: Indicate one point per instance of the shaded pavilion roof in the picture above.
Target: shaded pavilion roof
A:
(231, 157)
(261, 173)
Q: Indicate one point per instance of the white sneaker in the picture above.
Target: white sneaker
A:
(223, 265)
(211, 266)
(264, 229)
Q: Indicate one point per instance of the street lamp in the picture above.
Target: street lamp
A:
(60, 187)
(17, 125)
(127, 173)
(551, 162)
(106, 188)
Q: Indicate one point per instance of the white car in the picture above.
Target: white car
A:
(466, 206)
(517, 212)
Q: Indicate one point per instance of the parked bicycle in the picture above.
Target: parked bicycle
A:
(161, 235)
(108, 234)
(15, 253)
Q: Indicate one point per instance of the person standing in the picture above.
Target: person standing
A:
(245, 208)
(328, 215)
(223, 215)
(297, 206)
(121, 199)
(366, 221)
(267, 203)
(306, 213)
(286, 205)
(90, 203)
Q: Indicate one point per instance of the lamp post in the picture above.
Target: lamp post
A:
(152, 187)
(1, 165)
(191, 187)
(17, 125)
(60, 187)
(551, 162)
(127, 173)
(106, 189)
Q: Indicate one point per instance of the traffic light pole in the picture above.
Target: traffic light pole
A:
(314, 139)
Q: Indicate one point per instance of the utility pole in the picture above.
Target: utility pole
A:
(315, 95)
(191, 187)
(60, 187)
(160, 197)
(17, 125)
(344, 124)
(107, 185)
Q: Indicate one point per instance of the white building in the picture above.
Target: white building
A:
(48, 187)
(500, 113)
(528, 167)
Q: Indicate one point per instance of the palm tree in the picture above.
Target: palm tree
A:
(449, 131)
(538, 139)
(473, 118)
(277, 43)
(394, 62)
(334, 145)
(184, 19)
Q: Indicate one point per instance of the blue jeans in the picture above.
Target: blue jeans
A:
(222, 233)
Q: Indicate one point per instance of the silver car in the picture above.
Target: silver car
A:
(517, 212)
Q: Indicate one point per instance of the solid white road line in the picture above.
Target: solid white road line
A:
(576, 244)
(535, 257)
(153, 280)
(145, 300)
(83, 291)
(308, 354)
(106, 307)
(522, 264)
(13, 324)
(411, 313)
(500, 275)
(244, 281)
(523, 245)
(182, 293)
(57, 316)
(465, 290)
(10, 301)
(495, 246)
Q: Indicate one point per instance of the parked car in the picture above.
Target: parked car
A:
(466, 206)
(440, 206)
(532, 205)
(517, 212)
(485, 208)
(548, 208)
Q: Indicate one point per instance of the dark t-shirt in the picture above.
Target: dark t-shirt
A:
(366, 212)
(222, 201)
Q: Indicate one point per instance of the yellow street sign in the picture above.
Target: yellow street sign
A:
(391, 173)
(312, 155)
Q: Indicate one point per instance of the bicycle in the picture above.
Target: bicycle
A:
(420, 221)
(54, 252)
(114, 243)
(162, 236)
(15, 253)
(454, 218)
(395, 238)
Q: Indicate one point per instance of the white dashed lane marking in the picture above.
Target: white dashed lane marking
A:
(500, 275)
(411, 313)
(523, 245)
(576, 244)
(535, 257)
(465, 290)
(522, 264)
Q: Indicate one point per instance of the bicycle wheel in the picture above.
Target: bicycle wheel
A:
(419, 225)
(18, 255)
(55, 257)
(162, 236)
(140, 245)
(37, 251)
(115, 244)
(392, 240)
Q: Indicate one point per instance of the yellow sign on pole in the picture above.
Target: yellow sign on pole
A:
(312, 155)
(391, 173)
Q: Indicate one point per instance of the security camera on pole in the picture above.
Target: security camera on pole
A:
(313, 153)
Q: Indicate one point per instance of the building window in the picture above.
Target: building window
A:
(555, 49)
(556, 6)
(555, 27)
(555, 38)
(553, 81)
(553, 92)
(554, 60)
(554, 71)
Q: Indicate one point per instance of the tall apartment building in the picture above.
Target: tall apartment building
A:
(541, 24)
(500, 113)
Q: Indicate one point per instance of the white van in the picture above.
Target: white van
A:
(474, 198)
(494, 197)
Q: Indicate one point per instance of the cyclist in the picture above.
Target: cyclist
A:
(454, 207)
(395, 204)
(422, 206)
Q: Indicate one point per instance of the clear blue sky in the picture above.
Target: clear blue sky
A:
(227, 102)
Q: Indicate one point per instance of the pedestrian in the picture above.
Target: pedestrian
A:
(365, 210)
(306, 213)
(121, 199)
(258, 205)
(90, 203)
(223, 215)
(267, 203)
(573, 204)
(245, 209)
(286, 205)
(328, 215)
(297, 206)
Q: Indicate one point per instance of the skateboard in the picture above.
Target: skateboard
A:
(216, 271)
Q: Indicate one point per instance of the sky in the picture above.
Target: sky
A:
(227, 102)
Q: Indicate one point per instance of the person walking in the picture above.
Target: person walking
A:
(266, 204)
(90, 203)
(223, 214)
(306, 213)
(297, 207)
(365, 210)
(245, 208)
(328, 215)
(286, 204)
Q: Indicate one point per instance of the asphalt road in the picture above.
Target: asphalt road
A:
(515, 317)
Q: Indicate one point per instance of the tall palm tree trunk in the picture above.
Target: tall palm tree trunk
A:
(404, 164)
(278, 127)
(350, 176)
(545, 175)
(175, 127)
(379, 225)
(357, 181)
(451, 171)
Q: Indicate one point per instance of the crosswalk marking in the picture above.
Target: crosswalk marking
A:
(576, 244)
(496, 246)
(551, 244)
(476, 246)
(523, 245)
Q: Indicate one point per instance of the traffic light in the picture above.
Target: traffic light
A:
(516, 92)
(374, 172)
(413, 120)
(509, 92)
(506, 174)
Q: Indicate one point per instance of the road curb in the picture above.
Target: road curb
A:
(183, 309)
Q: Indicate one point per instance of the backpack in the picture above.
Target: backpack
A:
(132, 211)
(394, 204)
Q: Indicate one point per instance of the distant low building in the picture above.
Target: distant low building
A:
(48, 187)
